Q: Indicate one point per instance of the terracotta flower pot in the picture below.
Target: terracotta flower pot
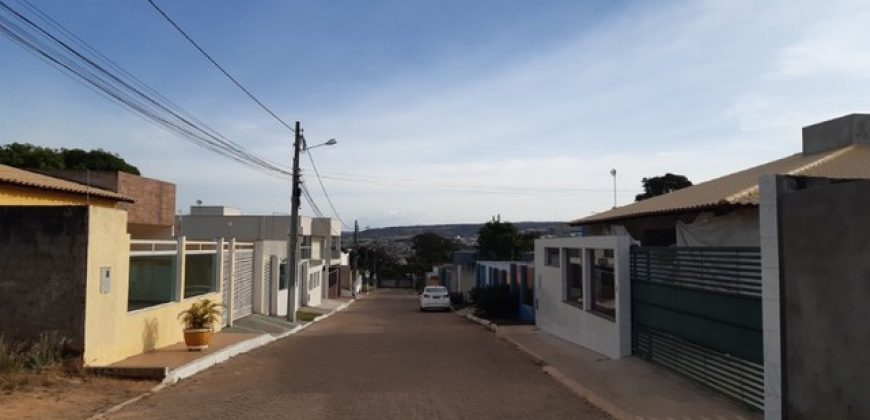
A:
(197, 338)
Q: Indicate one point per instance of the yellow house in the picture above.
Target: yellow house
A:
(68, 266)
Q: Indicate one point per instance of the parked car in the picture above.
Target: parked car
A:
(435, 297)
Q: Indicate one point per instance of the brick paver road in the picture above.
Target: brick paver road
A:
(379, 359)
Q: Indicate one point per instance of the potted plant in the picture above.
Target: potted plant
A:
(199, 322)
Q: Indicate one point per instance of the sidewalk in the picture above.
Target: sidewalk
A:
(173, 363)
(628, 388)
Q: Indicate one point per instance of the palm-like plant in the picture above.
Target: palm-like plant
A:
(203, 313)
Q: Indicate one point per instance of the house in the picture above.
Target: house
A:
(153, 214)
(322, 264)
(69, 266)
(681, 279)
(724, 211)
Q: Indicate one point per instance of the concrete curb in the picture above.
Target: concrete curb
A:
(587, 394)
(192, 368)
(575, 387)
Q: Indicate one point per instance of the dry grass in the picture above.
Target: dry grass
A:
(40, 362)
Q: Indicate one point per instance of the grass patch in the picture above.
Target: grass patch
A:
(20, 361)
(303, 316)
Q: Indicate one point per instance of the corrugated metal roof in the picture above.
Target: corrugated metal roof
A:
(741, 188)
(21, 177)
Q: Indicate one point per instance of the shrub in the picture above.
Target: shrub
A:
(457, 298)
(495, 301)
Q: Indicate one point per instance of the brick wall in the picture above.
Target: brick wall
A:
(155, 200)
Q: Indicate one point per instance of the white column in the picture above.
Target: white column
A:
(179, 267)
(232, 285)
(259, 279)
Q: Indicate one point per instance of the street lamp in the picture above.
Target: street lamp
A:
(329, 142)
(613, 174)
(293, 241)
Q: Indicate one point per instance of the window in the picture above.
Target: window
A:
(336, 247)
(551, 257)
(152, 281)
(200, 272)
(573, 276)
(602, 281)
(305, 248)
(282, 276)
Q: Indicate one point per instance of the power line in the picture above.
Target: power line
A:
(325, 194)
(95, 71)
(259, 102)
(212, 60)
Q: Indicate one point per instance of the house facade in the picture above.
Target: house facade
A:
(320, 264)
(702, 294)
(72, 268)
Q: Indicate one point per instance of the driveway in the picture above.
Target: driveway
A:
(379, 359)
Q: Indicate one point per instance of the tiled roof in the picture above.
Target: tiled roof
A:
(741, 188)
(21, 177)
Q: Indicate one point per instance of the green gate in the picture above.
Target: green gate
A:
(697, 311)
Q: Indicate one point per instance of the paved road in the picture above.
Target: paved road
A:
(379, 359)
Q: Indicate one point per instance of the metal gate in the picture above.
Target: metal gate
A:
(697, 311)
(243, 290)
(267, 286)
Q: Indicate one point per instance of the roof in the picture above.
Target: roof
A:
(24, 178)
(741, 188)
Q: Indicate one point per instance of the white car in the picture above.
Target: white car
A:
(435, 297)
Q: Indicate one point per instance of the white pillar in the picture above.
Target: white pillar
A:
(179, 267)
(232, 285)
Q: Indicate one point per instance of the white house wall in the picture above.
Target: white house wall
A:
(611, 338)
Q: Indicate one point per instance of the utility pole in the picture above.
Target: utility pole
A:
(613, 173)
(293, 241)
(355, 261)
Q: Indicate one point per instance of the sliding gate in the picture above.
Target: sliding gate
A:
(697, 311)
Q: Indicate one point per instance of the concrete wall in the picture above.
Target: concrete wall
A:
(243, 228)
(43, 269)
(610, 337)
(824, 292)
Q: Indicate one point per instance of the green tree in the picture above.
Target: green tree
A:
(500, 241)
(430, 249)
(664, 184)
(28, 156)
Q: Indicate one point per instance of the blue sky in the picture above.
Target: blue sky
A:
(433, 102)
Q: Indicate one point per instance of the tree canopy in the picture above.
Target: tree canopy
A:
(429, 250)
(664, 184)
(28, 156)
(500, 241)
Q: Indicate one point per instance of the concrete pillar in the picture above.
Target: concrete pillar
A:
(179, 267)
(232, 285)
(259, 279)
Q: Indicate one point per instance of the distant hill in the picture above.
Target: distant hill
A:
(457, 230)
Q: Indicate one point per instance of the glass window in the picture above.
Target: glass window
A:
(602, 281)
(199, 274)
(305, 248)
(152, 281)
(573, 276)
(282, 276)
(551, 257)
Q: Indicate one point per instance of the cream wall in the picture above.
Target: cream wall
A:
(16, 196)
(111, 333)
